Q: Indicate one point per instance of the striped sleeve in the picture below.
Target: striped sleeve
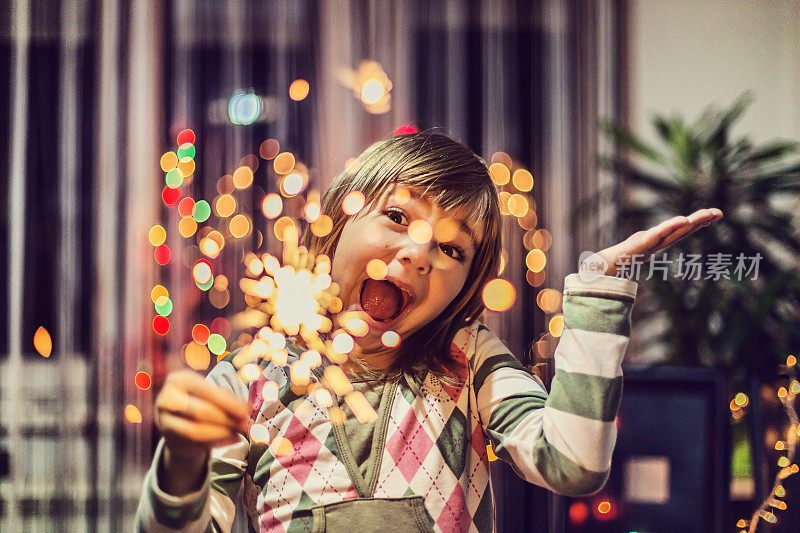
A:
(211, 507)
(562, 441)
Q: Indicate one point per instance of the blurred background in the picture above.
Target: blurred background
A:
(142, 136)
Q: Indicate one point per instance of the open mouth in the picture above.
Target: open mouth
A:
(382, 300)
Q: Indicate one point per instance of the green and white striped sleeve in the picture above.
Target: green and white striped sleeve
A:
(211, 507)
(562, 441)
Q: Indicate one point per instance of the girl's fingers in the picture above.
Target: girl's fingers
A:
(185, 431)
(178, 402)
(193, 384)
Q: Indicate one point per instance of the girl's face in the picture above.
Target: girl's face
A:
(421, 279)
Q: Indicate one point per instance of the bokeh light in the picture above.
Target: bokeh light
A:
(225, 205)
(196, 356)
(201, 211)
(556, 325)
(402, 196)
(445, 230)
(244, 109)
(161, 325)
(283, 163)
(377, 269)
(42, 342)
(269, 149)
(187, 226)
(353, 202)
(168, 161)
(242, 177)
(420, 231)
(517, 205)
(298, 90)
(499, 295)
(272, 205)
(259, 434)
(157, 292)
(163, 306)
(157, 235)
(216, 343)
(390, 339)
(187, 167)
(162, 254)
(142, 380)
(322, 226)
(200, 333)
(170, 195)
(522, 180)
(132, 414)
(174, 178)
(499, 173)
(549, 300)
(535, 260)
(542, 239)
(201, 272)
(185, 136)
(292, 184)
(372, 92)
(502, 157)
(186, 207)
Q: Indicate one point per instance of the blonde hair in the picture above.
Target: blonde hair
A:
(452, 176)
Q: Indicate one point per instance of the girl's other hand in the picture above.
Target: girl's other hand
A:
(194, 416)
(645, 243)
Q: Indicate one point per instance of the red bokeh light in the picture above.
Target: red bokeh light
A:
(186, 207)
(200, 333)
(221, 326)
(186, 136)
(405, 128)
(143, 380)
(162, 254)
(161, 325)
(170, 195)
(604, 509)
(578, 512)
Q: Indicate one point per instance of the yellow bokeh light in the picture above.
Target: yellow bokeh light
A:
(259, 434)
(269, 149)
(187, 226)
(390, 339)
(377, 269)
(209, 247)
(517, 205)
(499, 173)
(272, 205)
(794, 388)
(499, 295)
(281, 225)
(283, 163)
(535, 260)
(402, 196)
(353, 202)
(186, 166)
(298, 90)
(240, 226)
(528, 221)
(242, 177)
(445, 230)
(312, 358)
(556, 325)
(132, 414)
(372, 92)
(157, 235)
(281, 446)
(157, 292)
(420, 231)
(502, 157)
(522, 180)
(225, 205)
(168, 161)
(292, 184)
(343, 343)
(197, 356)
(361, 408)
(741, 399)
(42, 342)
(791, 360)
(322, 226)
(503, 197)
(270, 391)
(337, 380)
(534, 279)
(549, 300)
(323, 397)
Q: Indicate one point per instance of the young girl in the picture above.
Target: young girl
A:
(448, 389)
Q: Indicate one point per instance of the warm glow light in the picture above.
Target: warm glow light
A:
(242, 177)
(240, 226)
(499, 173)
(312, 211)
(272, 205)
(445, 230)
(741, 399)
(549, 300)
(292, 185)
(197, 356)
(283, 163)
(200, 333)
(535, 260)
(187, 226)
(377, 269)
(269, 149)
(390, 339)
(132, 414)
(522, 180)
(556, 325)
(322, 226)
(353, 202)
(161, 325)
(282, 225)
(420, 231)
(337, 380)
(225, 205)
(499, 295)
(142, 380)
(186, 166)
(402, 196)
(42, 342)
(168, 161)
(298, 90)
(270, 391)
(323, 397)
(300, 373)
(162, 254)
(518, 205)
(604, 507)
(157, 235)
(281, 446)
(361, 408)
(791, 360)
(343, 343)
(259, 434)
(372, 92)
(157, 292)
(186, 207)
(542, 239)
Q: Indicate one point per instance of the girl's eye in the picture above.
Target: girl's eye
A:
(396, 216)
(452, 251)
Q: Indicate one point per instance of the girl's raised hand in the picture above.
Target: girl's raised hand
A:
(643, 244)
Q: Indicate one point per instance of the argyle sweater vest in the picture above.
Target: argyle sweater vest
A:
(434, 445)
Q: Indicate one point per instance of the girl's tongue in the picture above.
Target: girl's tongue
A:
(381, 300)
